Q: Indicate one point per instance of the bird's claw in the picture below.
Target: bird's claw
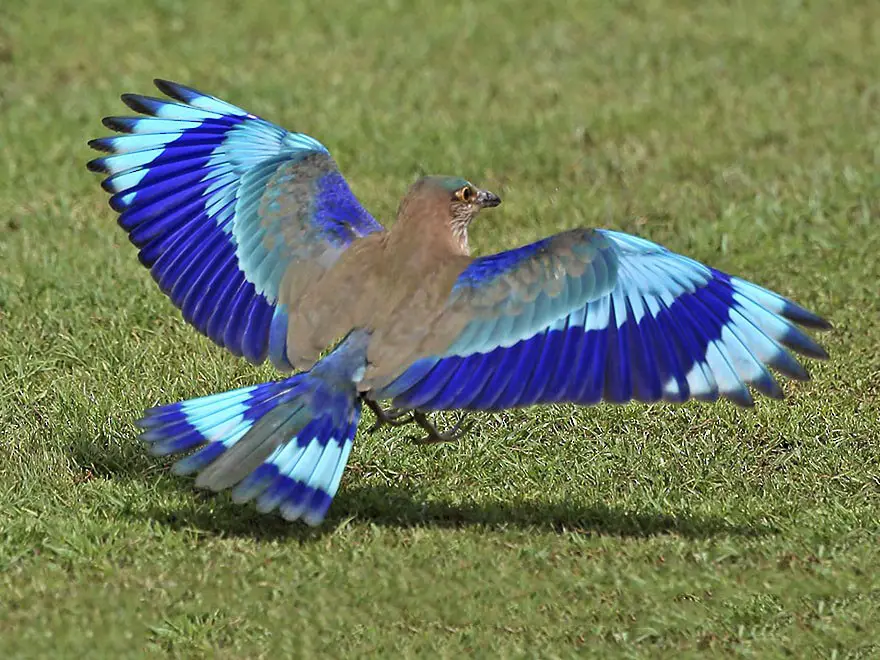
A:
(397, 417)
(387, 417)
(436, 436)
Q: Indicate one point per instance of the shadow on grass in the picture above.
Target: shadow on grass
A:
(400, 508)
(393, 507)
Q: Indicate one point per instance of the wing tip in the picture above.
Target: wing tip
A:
(144, 105)
(817, 353)
(175, 90)
(741, 397)
(804, 317)
(119, 124)
(97, 165)
(804, 344)
(768, 386)
(104, 145)
(107, 185)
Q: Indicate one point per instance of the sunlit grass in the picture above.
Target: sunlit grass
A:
(746, 138)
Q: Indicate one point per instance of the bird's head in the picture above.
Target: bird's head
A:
(451, 199)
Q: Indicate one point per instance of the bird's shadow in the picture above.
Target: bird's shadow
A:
(394, 507)
(401, 508)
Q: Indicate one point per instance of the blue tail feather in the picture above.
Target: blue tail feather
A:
(284, 444)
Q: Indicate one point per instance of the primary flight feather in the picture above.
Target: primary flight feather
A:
(256, 237)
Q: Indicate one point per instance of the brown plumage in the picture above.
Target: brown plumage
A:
(385, 280)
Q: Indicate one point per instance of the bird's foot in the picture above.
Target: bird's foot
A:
(434, 435)
(388, 417)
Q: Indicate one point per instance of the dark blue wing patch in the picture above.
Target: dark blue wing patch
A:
(175, 177)
(671, 329)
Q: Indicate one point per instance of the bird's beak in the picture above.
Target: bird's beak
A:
(487, 199)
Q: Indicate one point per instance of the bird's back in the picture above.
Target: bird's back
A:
(392, 284)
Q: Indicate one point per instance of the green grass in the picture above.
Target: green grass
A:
(746, 137)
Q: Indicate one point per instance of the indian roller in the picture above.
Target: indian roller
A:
(254, 234)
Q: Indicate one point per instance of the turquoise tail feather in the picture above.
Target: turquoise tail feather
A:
(282, 444)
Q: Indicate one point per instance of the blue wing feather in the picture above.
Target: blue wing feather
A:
(509, 358)
(509, 395)
(187, 179)
(669, 329)
(478, 378)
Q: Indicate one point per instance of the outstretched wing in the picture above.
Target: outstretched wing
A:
(223, 205)
(659, 326)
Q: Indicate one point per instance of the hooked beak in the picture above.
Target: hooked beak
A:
(487, 199)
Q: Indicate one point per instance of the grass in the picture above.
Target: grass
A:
(745, 136)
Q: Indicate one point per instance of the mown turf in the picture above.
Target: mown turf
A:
(745, 136)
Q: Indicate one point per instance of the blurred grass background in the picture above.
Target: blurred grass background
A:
(741, 134)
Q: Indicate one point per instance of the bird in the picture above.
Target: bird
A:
(256, 237)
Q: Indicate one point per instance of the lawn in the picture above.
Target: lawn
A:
(745, 136)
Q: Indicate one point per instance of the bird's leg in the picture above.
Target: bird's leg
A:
(389, 417)
(434, 435)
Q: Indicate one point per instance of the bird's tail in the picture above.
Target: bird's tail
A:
(284, 444)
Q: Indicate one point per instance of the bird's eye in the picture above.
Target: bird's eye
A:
(465, 194)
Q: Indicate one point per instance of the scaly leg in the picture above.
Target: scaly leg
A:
(434, 435)
(389, 417)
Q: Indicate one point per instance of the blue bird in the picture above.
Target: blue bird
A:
(256, 237)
